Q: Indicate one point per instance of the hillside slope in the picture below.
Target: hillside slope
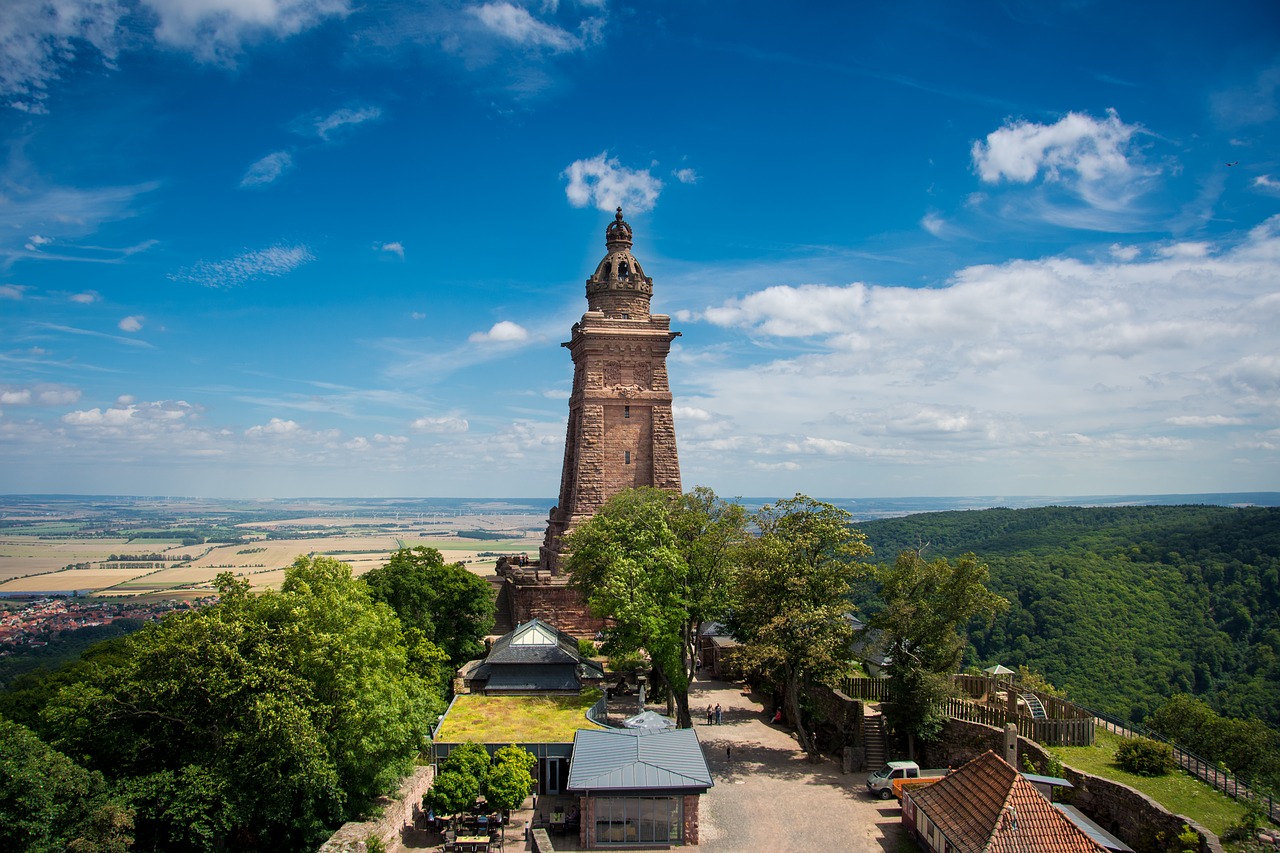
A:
(1122, 606)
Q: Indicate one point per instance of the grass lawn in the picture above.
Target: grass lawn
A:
(517, 719)
(1178, 792)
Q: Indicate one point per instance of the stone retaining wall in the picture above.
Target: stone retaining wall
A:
(397, 813)
(1126, 813)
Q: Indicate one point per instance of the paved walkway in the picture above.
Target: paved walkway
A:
(767, 796)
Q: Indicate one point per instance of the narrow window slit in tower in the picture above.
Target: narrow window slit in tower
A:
(627, 460)
(626, 411)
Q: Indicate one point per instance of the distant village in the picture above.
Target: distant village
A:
(44, 618)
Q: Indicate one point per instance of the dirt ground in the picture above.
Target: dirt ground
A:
(766, 795)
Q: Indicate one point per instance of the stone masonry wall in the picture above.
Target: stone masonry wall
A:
(1130, 815)
(397, 813)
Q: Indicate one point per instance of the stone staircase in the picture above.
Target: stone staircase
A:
(873, 736)
(504, 620)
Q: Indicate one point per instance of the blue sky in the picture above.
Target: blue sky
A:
(257, 248)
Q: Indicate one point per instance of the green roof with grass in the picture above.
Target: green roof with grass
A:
(516, 719)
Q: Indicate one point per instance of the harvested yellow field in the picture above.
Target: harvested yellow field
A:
(72, 579)
(25, 555)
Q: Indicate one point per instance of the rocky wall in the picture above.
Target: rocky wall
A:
(398, 812)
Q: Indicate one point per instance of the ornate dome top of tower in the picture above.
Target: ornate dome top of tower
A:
(618, 234)
(619, 286)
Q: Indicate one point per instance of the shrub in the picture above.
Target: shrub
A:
(373, 844)
(1145, 757)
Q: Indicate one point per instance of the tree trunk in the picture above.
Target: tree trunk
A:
(791, 699)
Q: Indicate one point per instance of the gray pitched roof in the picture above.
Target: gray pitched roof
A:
(530, 677)
(631, 760)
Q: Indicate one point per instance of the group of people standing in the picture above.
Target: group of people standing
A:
(715, 716)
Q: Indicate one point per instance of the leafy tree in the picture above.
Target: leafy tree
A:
(510, 779)
(49, 803)
(789, 607)
(451, 606)
(260, 722)
(461, 779)
(658, 565)
(926, 605)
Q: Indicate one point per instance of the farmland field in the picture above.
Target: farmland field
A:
(72, 553)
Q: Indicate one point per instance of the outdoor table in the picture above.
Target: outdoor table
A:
(473, 842)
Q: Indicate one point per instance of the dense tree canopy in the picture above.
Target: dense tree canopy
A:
(261, 722)
(790, 597)
(658, 565)
(452, 607)
(1124, 606)
(49, 804)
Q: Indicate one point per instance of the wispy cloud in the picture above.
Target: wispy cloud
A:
(395, 248)
(268, 170)
(685, 176)
(517, 24)
(90, 333)
(12, 291)
(262, 263)
(132, 323)
(39, 38)
(603, 181)
(42, 221)
(331, 126)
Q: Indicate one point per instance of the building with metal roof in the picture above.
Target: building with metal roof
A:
(534, 658)
(637, 787)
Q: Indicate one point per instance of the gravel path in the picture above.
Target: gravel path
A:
(767, 796)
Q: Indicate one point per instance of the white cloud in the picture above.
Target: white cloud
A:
(132, 323)
(1078, 144)
(518, 25)
(1124, 253)
(686, 176)
(934, 224)
(88, 297)
(145, 417)
(502, 332)
(691, 413)
(38, 37)
(343, 119)
(604, 181)
(268, 170)
(272, 262)
(276, 427)
(440, 425)
(1266, 182)
(12, 291)
(216, 30)
(1150, 365)
(395, 248)
(1205, 420)
(43, 394)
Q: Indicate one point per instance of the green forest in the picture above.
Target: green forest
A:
(1121, 607)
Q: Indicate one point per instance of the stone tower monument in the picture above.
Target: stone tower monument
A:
(621, 433)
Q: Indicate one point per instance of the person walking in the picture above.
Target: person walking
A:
(719, 715)
(711, 715)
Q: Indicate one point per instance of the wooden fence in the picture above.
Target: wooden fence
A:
(1066, 724)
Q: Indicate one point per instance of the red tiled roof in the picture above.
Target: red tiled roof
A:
(987, 807)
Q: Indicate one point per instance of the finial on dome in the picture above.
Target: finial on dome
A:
(618, 234)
